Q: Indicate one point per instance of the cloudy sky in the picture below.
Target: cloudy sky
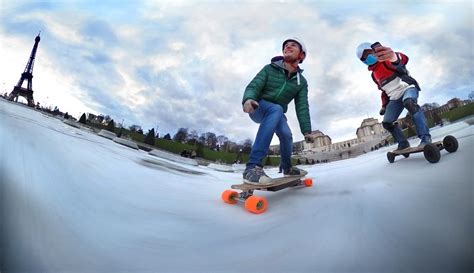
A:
(172, 64)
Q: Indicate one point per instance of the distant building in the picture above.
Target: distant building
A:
(91, 117)
(370, 136)
(97, 119)
(435, 113)
(370, 129)
(454, 103)
(318, 139)
(230, 146)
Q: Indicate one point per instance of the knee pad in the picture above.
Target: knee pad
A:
(388, 126)
(411, 106)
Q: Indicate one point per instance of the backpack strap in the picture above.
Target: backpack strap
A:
(402, 72)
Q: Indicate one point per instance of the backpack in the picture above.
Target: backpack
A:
(401, 72)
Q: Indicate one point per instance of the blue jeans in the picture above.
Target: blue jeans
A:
(272, 120)
(395, 108)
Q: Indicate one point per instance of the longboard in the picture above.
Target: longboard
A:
(256, 204)
(276, 184)
(430, 151)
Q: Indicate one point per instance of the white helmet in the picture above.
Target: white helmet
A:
(360, 49)
(297, 40)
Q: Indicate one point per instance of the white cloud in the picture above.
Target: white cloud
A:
(59, 25)
(186, 64)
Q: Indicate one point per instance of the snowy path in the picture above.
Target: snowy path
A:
(72, 201)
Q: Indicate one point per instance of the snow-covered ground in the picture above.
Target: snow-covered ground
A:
(72, 201)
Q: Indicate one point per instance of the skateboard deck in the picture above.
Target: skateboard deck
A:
(276, 184)
(430, 151)
(412, 150)
(257, 204)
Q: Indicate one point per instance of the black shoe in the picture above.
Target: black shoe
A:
(293, 171)
(256, 176)
(403, 145)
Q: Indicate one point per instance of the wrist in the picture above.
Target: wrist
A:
(395, 59)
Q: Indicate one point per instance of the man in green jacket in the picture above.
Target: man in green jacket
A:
(266, 100)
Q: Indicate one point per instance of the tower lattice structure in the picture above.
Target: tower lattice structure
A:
(27, 76)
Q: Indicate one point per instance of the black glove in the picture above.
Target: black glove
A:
(382, 111)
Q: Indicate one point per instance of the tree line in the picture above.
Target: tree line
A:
(183, 135)
(211, 141)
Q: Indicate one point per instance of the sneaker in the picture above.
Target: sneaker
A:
(256, 176)
(424, 140)
(403, 145)
(293, 171)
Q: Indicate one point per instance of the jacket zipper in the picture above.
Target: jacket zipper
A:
(282, 87)
(281, 90)
(284, 84)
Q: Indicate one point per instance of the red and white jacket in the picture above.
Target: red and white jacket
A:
(392, 78)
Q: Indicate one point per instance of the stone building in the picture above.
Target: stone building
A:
(318, 139)
(433, 114)
(370, 136)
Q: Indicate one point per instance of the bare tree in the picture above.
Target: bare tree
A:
(247, 146)
(135, 128)
(211, 140)
(222, 140)
(193, 137)
(181, 135)
(150, 137)
(429, 106)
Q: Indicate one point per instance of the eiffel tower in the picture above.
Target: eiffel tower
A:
(28, 76)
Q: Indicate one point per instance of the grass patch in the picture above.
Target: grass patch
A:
(459, 113)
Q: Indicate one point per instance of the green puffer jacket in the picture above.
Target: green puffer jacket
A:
(271, 84)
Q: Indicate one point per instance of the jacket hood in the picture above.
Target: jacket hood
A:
(278, 61)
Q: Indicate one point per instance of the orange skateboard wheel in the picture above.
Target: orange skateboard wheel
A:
(230, 196)
(308, 182)
(256, 204)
